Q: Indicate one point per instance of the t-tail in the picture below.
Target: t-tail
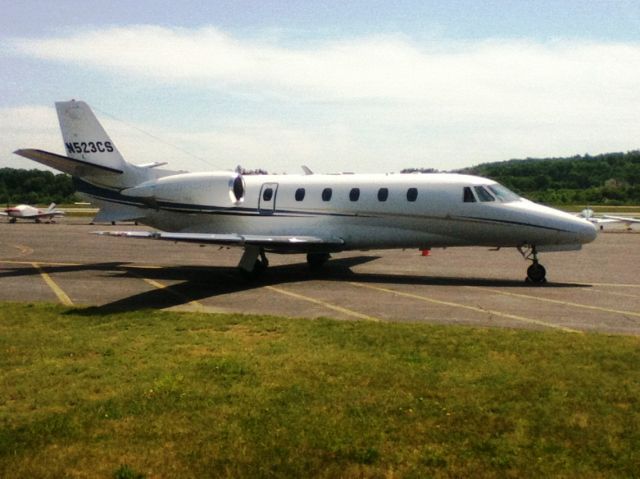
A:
(92, 158)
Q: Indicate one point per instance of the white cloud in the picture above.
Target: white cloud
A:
(385, 67)
(401, 103)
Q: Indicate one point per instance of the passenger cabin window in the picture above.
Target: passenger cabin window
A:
(468, 195)
(267, 194)
(383, 194)
(412, 194)
(354, 194)
(483, 194)
(300, 194)
(326, 194)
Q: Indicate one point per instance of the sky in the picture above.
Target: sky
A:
(362, 86)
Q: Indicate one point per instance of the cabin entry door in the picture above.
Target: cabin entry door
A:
(267, 200)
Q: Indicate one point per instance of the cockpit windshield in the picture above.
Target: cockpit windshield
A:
(483, 194)
(505, 195)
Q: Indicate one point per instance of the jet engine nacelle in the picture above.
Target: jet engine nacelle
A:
(217, 188)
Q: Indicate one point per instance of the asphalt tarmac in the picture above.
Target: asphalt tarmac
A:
(593, 290)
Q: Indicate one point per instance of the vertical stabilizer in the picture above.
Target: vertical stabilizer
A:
(84, 138)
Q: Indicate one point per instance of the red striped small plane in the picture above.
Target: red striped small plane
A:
(26, 212)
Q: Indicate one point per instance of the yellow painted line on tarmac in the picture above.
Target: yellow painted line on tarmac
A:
(41, 263)
(62, 296)
(557, 301)
(609, 285)
(196, 304)
(53, 263)
(469, 308)
(614, 293)
(309, 299)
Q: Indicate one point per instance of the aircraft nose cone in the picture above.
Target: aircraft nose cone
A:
(586, 232)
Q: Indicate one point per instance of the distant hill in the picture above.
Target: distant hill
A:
(611, 178)
(35, 187)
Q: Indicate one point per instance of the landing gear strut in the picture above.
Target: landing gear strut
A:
(536, 272)
(254, 262)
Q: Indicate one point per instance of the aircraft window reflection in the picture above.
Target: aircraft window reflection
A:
(412, 194)
(326, 194)
(383, 194)
(354, 194)
(468, 195)
(503, 194)
(483, 194)
(300, 194)
(267, 194)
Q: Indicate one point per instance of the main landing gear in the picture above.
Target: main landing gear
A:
(254, 261)
(317, 260)
(536, 272)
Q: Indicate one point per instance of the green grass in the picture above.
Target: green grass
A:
(160, 394)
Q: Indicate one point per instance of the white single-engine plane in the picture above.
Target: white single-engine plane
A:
(311, 214)
(27, 212)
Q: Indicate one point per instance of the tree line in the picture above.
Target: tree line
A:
(35, 187)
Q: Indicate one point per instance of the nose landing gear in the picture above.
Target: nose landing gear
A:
(536, 273)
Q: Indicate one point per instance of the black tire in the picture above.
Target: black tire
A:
(536, 273)
(258, 270)
(317, 260)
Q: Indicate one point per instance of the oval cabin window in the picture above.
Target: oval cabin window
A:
(383, 194)
(300, 194)
(412, 194)
(354, 194)
(326, 194)
(267, 194)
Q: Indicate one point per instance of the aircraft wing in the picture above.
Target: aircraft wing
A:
(44, 214)
(275, 242)
(602, 221)
(622, 219)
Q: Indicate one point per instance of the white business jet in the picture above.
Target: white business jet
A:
(312, 214)
(26, 212)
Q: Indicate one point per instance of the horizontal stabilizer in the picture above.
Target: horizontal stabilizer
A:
(65, 164)
(300, 243)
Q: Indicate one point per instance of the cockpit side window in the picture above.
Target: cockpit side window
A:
(468, 195)
(483, 194)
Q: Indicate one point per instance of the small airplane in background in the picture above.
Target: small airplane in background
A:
(601, 220)
(26, 212)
